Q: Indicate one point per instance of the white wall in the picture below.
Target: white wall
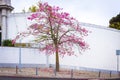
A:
(28, 55)
(102, 54)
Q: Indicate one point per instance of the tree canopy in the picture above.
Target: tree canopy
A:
(115, 22)
(56, 31)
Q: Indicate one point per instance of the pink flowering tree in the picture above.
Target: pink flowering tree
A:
(56, 31)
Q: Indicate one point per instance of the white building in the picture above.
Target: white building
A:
(103, 42)
(5, 9)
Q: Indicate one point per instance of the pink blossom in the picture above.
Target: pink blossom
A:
(13, 41)
(54, 24)
(33, 16)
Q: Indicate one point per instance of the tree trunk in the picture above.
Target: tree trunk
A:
(57, 60)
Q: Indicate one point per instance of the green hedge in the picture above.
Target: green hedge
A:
(8, 43)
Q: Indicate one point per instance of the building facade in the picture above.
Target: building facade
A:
(5, 9)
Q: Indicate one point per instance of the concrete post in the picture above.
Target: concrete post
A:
(4, 24)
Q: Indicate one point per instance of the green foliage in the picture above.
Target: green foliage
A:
(8, 43)
(33, 8)
(23, 45)
(115, 22)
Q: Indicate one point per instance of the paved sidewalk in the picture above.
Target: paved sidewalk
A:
(63, 73)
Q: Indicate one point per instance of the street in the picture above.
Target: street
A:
(44, 78)
(31, 78)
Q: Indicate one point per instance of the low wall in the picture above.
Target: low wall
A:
(10, 56)
(28, 55)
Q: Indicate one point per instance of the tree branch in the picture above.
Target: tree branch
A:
(63, 35)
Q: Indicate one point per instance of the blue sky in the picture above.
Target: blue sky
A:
(90, 11)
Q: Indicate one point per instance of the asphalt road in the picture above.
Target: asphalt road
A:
(32, 78)
(40, 78)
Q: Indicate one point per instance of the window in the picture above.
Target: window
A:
(0, 28)
(0, 35)
(0, 38)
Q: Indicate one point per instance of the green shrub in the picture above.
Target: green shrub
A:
(24, 45)
(8, 43)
